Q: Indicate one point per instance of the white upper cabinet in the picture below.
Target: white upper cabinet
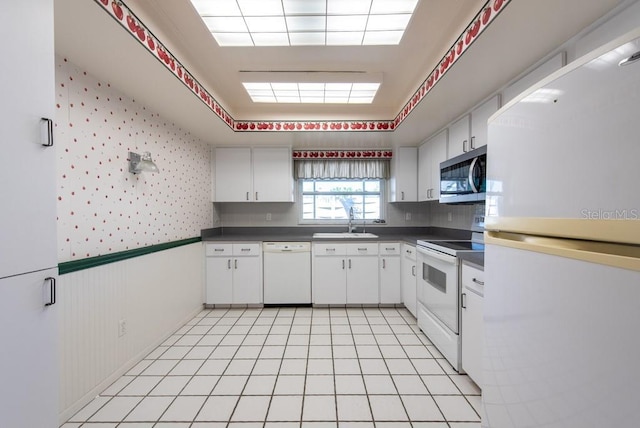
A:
(272, 175)
(253, 175)
(404, 175)
(470, 131)
(479, 118)
(233, 177)
(459, 136)
(28, 214)
(430, 155)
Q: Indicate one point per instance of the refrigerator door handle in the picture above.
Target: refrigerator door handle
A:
(604, 253)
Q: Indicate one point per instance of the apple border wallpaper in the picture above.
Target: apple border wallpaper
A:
(102, 207)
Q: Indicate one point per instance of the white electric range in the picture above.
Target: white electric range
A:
(439, 292)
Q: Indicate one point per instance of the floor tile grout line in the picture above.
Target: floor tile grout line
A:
(134, 377)
(178, 394)
(448, 376)
(331, 318)
(227, 367)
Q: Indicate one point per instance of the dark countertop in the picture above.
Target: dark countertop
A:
(305, 234)
(409, 235)
(476, 259)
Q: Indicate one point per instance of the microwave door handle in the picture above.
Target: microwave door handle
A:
(472, 168)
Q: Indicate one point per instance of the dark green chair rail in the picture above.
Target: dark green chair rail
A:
(90, 262)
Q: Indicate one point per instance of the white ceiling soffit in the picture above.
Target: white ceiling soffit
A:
(86, 36)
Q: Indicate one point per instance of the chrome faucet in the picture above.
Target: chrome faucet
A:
(351, 227)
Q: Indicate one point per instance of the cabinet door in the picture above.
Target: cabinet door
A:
(404, 175)
(409, 280)
(272, 175)
(29, 358)
(329, 284)
(28, 214)
(247, 280)
(479, 118)
(362, 280)
(233, 175)
(437, 154)
(459, 137)
(390, 291)
(219, 280)
(472, 335)
(424, 172)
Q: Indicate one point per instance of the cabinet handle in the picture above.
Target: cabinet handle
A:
(247, 196)
(49, 133)
(413, 270)
(464, 146)
(349, 263)
(256, 196)
(218, 249)
(329, 249)
(384, 263)
(473, 140)
(342, 264)
(402, 196)
(245, 249)
(52, 291)
(463, 301)
(362, 249)
(389, 248)
(235, 264)
(477, 281)
(229, 264)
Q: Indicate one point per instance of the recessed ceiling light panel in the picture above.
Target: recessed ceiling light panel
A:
(312, 93)
(306, 22)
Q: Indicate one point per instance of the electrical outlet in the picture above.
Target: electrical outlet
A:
(407, 216)
(122, 327)
(268, 216)
(450, 217)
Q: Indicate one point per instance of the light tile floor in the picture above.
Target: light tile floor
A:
(290, 367)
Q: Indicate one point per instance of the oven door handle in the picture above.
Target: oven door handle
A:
(442, 257)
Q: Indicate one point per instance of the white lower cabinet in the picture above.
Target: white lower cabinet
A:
(408, 278)
(472, 322)
(29, 357)
(345, 273)
(233, 273)
(389, 264)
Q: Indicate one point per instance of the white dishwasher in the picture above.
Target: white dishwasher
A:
(287, 273)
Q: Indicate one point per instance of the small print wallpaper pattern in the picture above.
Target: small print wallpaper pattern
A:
(102, 208)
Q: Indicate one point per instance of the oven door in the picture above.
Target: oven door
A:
(438, 285)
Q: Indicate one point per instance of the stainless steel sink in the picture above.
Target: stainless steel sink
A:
(344, 235)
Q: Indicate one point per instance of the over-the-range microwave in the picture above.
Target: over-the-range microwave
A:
(463, 179)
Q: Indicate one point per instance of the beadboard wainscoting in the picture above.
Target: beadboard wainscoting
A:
(153, 295)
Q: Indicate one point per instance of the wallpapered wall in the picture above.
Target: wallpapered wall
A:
(102, 208)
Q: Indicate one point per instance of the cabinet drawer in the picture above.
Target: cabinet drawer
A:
(247, 249)
(362, 249)
(389, 248)
(329, 249)
(409, 252)
(472, 278)
(221, 250)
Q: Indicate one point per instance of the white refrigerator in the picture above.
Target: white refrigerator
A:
(562, 261)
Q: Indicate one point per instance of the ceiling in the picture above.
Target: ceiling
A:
(521, 35)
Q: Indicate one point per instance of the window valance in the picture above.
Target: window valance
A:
(342, 168)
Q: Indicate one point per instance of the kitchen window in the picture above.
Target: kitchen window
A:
(329, 201)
